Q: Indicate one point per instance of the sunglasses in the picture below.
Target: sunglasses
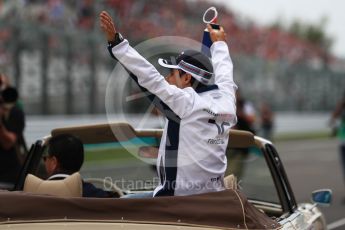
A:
(46, 157)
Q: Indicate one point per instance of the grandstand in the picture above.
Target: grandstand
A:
(53, 51)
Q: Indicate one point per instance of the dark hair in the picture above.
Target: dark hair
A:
(199, 60)
(69, 152)
(9, 95)
(194, 83)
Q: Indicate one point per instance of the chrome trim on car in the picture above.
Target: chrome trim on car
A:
(290, 218)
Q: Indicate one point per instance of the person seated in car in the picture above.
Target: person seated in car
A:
(65, 157)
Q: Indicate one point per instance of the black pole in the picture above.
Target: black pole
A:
(16, 56)
(44, 73)
(93, 77)
(68, 79)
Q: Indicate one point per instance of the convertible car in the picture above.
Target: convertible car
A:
(121, 160)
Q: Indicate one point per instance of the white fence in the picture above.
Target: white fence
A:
(39, 126)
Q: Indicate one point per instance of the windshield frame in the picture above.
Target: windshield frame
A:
(284, 190)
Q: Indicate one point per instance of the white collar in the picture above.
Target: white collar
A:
(58, 176)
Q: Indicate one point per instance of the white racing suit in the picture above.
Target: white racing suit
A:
(192, 151)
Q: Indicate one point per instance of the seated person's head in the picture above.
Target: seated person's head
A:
(65, 155)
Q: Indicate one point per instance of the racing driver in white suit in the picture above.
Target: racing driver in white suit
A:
(198, 100)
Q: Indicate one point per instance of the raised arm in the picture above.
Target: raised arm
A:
(178, 100)
(221, 60)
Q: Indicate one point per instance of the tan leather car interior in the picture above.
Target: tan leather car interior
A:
(230, 182)
(69, 187)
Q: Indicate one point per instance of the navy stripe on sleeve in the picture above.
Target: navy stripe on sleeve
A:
(171, 155)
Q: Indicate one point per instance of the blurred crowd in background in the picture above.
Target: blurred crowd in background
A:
(54, 53)
(144, 19)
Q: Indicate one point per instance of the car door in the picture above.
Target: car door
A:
(304, 216)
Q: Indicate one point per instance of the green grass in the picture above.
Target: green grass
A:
(303, 136)
(115, 154)
(121, 155)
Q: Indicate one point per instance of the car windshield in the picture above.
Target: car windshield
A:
(130, 165)
(121, 164)
(253, 174)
